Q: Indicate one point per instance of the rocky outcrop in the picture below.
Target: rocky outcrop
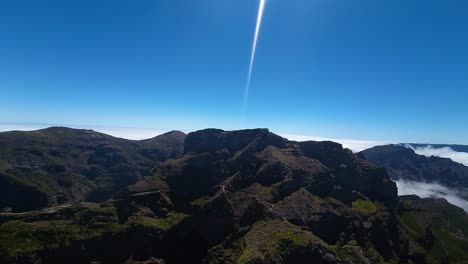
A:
(236, 160)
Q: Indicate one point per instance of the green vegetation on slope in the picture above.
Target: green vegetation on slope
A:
(61, 228)
(447, 246)
(437, 227)
(274, 240)
(19, 237)
(164, 224)
(366, 206)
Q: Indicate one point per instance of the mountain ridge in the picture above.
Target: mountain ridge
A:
(402, 162)
(59, 165)
(246, 196)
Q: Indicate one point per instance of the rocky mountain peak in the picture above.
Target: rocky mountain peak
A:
(212, 140)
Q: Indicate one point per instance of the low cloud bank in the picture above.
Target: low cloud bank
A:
(432, 190)
(445, 152)
(354, 145)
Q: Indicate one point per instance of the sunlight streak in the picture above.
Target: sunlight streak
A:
(254, 48)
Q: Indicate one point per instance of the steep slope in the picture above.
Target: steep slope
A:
(62, 165)
(438, 231)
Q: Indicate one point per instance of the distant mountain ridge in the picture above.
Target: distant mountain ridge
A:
(403, 163)
(61, 165)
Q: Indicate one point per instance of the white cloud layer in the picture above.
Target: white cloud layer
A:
(430, 190)
(354, 145)
(445, 152)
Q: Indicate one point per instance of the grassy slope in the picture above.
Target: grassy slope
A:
(440, 229)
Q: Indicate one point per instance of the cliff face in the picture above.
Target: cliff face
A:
(245, 196)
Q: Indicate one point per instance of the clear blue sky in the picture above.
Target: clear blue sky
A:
(376, 70)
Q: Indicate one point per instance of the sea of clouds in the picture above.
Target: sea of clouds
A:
(445, 152)
(431, 190)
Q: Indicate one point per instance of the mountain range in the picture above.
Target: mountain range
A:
(61, 165)
(214, 196)
(402, 163)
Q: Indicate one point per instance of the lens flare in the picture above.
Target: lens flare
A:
(254, 49)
